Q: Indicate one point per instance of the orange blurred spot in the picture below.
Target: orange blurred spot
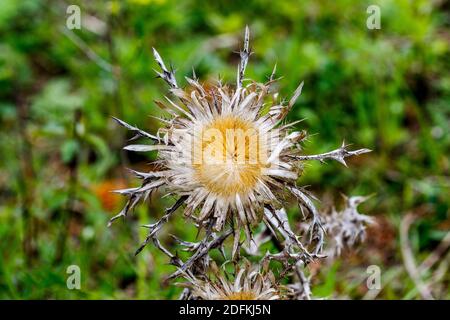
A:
(109, 199)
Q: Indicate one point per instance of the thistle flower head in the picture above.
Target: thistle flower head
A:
(247, 283)
(228, 155)
(225, 155)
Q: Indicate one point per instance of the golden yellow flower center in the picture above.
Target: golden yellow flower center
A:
(244, 295)
(228, 156)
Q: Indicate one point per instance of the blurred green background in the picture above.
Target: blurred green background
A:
(61, 154)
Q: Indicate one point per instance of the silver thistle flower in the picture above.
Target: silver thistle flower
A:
(229, 158)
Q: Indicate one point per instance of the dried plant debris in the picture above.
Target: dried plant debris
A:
(345, 228)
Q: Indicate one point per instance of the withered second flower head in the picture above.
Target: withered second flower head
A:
(247, 282)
